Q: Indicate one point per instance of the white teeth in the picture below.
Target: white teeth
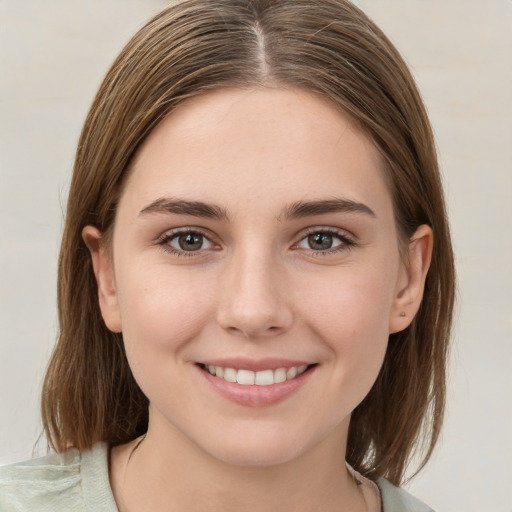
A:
(261, 378)
(230, 374)
(291, 372)
(245, 377)
(264, 378)
(280, 375)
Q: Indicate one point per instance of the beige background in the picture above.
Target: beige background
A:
(53, 55)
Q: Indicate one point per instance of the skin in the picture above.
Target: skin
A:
(256, 288)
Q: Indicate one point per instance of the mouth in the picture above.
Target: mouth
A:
(265, 377)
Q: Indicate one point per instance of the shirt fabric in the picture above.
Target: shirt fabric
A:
(79, 482)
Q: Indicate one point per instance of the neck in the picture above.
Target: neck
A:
(167, 471)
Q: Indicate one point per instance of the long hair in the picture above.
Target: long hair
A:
(326, 47)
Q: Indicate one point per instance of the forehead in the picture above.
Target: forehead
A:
(267, 146)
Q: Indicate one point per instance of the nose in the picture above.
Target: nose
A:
(253, 300)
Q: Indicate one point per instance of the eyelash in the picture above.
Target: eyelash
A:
(166, 238)
(347, 243)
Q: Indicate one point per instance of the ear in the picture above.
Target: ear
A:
(104, 273)
(411, 281)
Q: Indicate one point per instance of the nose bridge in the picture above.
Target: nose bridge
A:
(253, 300)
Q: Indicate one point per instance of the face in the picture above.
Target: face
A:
(255, 274)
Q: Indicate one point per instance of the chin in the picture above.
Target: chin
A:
(254, 455)
(261, 447)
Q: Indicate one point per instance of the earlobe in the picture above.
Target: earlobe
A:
(104, 273)
(411, 283)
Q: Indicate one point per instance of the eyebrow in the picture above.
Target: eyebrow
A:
(183, 207)
(302, 209)
(297, 210)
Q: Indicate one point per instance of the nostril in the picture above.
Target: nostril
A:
(252, 332)
(254, 318)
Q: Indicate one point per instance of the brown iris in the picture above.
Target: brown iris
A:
(320, 241)
(190, 241)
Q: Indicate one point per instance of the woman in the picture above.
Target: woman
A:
(256, 278)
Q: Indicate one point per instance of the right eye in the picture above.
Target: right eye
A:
(182, 242)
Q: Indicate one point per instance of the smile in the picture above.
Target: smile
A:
(253, 383)
(255, 378)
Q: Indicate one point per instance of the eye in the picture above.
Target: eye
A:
(185, 241)
(325, 241)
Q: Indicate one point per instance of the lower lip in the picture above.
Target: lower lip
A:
(256, 396)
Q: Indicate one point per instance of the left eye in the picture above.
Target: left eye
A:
(189, 241)
(322, 241)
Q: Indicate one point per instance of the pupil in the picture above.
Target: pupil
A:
(321, 241)
(191, 242)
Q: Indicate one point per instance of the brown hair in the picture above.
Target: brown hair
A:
(328, 47)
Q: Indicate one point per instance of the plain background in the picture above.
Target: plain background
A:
(53, 55)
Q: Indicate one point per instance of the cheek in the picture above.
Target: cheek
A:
(357, 300)
(351, 316)
(161, 310)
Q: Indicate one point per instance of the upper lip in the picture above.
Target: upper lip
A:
(255, 365)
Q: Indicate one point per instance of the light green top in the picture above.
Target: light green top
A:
(79, 482)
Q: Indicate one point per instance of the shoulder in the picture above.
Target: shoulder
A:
(395, 499)
(70, 481)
